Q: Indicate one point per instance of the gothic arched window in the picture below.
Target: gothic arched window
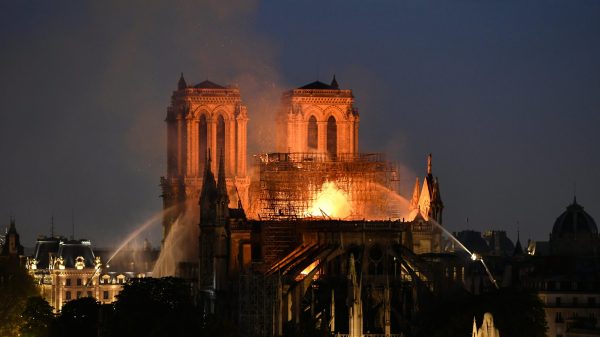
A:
(331, 136)
(202, 143)
(313, 133)
(221, 139)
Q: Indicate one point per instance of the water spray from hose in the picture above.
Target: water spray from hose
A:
(474, 256)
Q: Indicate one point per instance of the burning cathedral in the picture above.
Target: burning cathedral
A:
(318, 232)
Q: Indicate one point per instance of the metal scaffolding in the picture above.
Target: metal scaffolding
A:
(258, 296)
(289, 183)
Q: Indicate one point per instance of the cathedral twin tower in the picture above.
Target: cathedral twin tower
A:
(209, 120)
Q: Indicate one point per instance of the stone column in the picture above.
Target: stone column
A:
(356, 135)
(230, 145)
(189, 147)
(322, 136)
(241, 145)
(180, 144)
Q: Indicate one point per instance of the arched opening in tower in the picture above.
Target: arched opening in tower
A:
(313, 133)
(221, 151)
(202, 144)
(331, 136)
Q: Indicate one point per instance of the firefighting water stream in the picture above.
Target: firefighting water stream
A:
(152, 220)
(180, 245)
(473, 256)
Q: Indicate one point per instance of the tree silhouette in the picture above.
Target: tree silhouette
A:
(79, 318)
(37, 317)
(156, 307)
(15, 287)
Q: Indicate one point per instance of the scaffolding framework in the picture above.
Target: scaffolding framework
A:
(258, 312)
(289, 183)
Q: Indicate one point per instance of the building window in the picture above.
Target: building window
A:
(68, 295)
(79, 282)
(558, 318)
(68, 282)
(89, 294)
(79, 294)
(105, 279)
(575, 300)
(105, 295)
(591, 300)
(558, 301)
(313, 133)
(221, 152)
(331, 136)
(202, 143)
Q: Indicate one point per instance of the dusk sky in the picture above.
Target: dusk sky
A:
(505, 94)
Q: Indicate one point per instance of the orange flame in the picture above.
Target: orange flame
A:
(331, 201)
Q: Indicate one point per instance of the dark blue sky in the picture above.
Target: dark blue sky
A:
(505, 94)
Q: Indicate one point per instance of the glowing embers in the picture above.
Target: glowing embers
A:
(331, 202)
(309, 270)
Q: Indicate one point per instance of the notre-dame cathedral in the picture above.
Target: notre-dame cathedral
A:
(318, 233)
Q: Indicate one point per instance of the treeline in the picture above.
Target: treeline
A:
(152, 307)
(146, 307)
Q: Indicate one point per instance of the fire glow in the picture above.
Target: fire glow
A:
(332, 201)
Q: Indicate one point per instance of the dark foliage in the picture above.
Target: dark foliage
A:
(155, 307)
(79, 318)
(38, 318)
(15, 287)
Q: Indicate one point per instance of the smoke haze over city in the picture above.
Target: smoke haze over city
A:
(506, 95)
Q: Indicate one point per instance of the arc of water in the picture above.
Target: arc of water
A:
(476, 257)
(140, 229)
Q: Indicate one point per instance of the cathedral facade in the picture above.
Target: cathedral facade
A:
(276, 256)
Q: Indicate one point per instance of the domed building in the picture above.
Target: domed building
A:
(574, 233)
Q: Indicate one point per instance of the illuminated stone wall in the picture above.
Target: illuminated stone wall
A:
(205, 119)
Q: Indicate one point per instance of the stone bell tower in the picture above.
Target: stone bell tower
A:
(319, 118)
(203, 118)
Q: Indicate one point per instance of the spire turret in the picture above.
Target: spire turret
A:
(355, 314)
(11, 226)
(222, 195)
(437, 197)
(222, 184)
(429, 164)
(414, 202)
(208, 195)
(182, 84)
(12, 245)
(437, 206)
(334, 83)
(518, 248)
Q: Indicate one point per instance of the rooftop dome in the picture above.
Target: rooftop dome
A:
(574, 221)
